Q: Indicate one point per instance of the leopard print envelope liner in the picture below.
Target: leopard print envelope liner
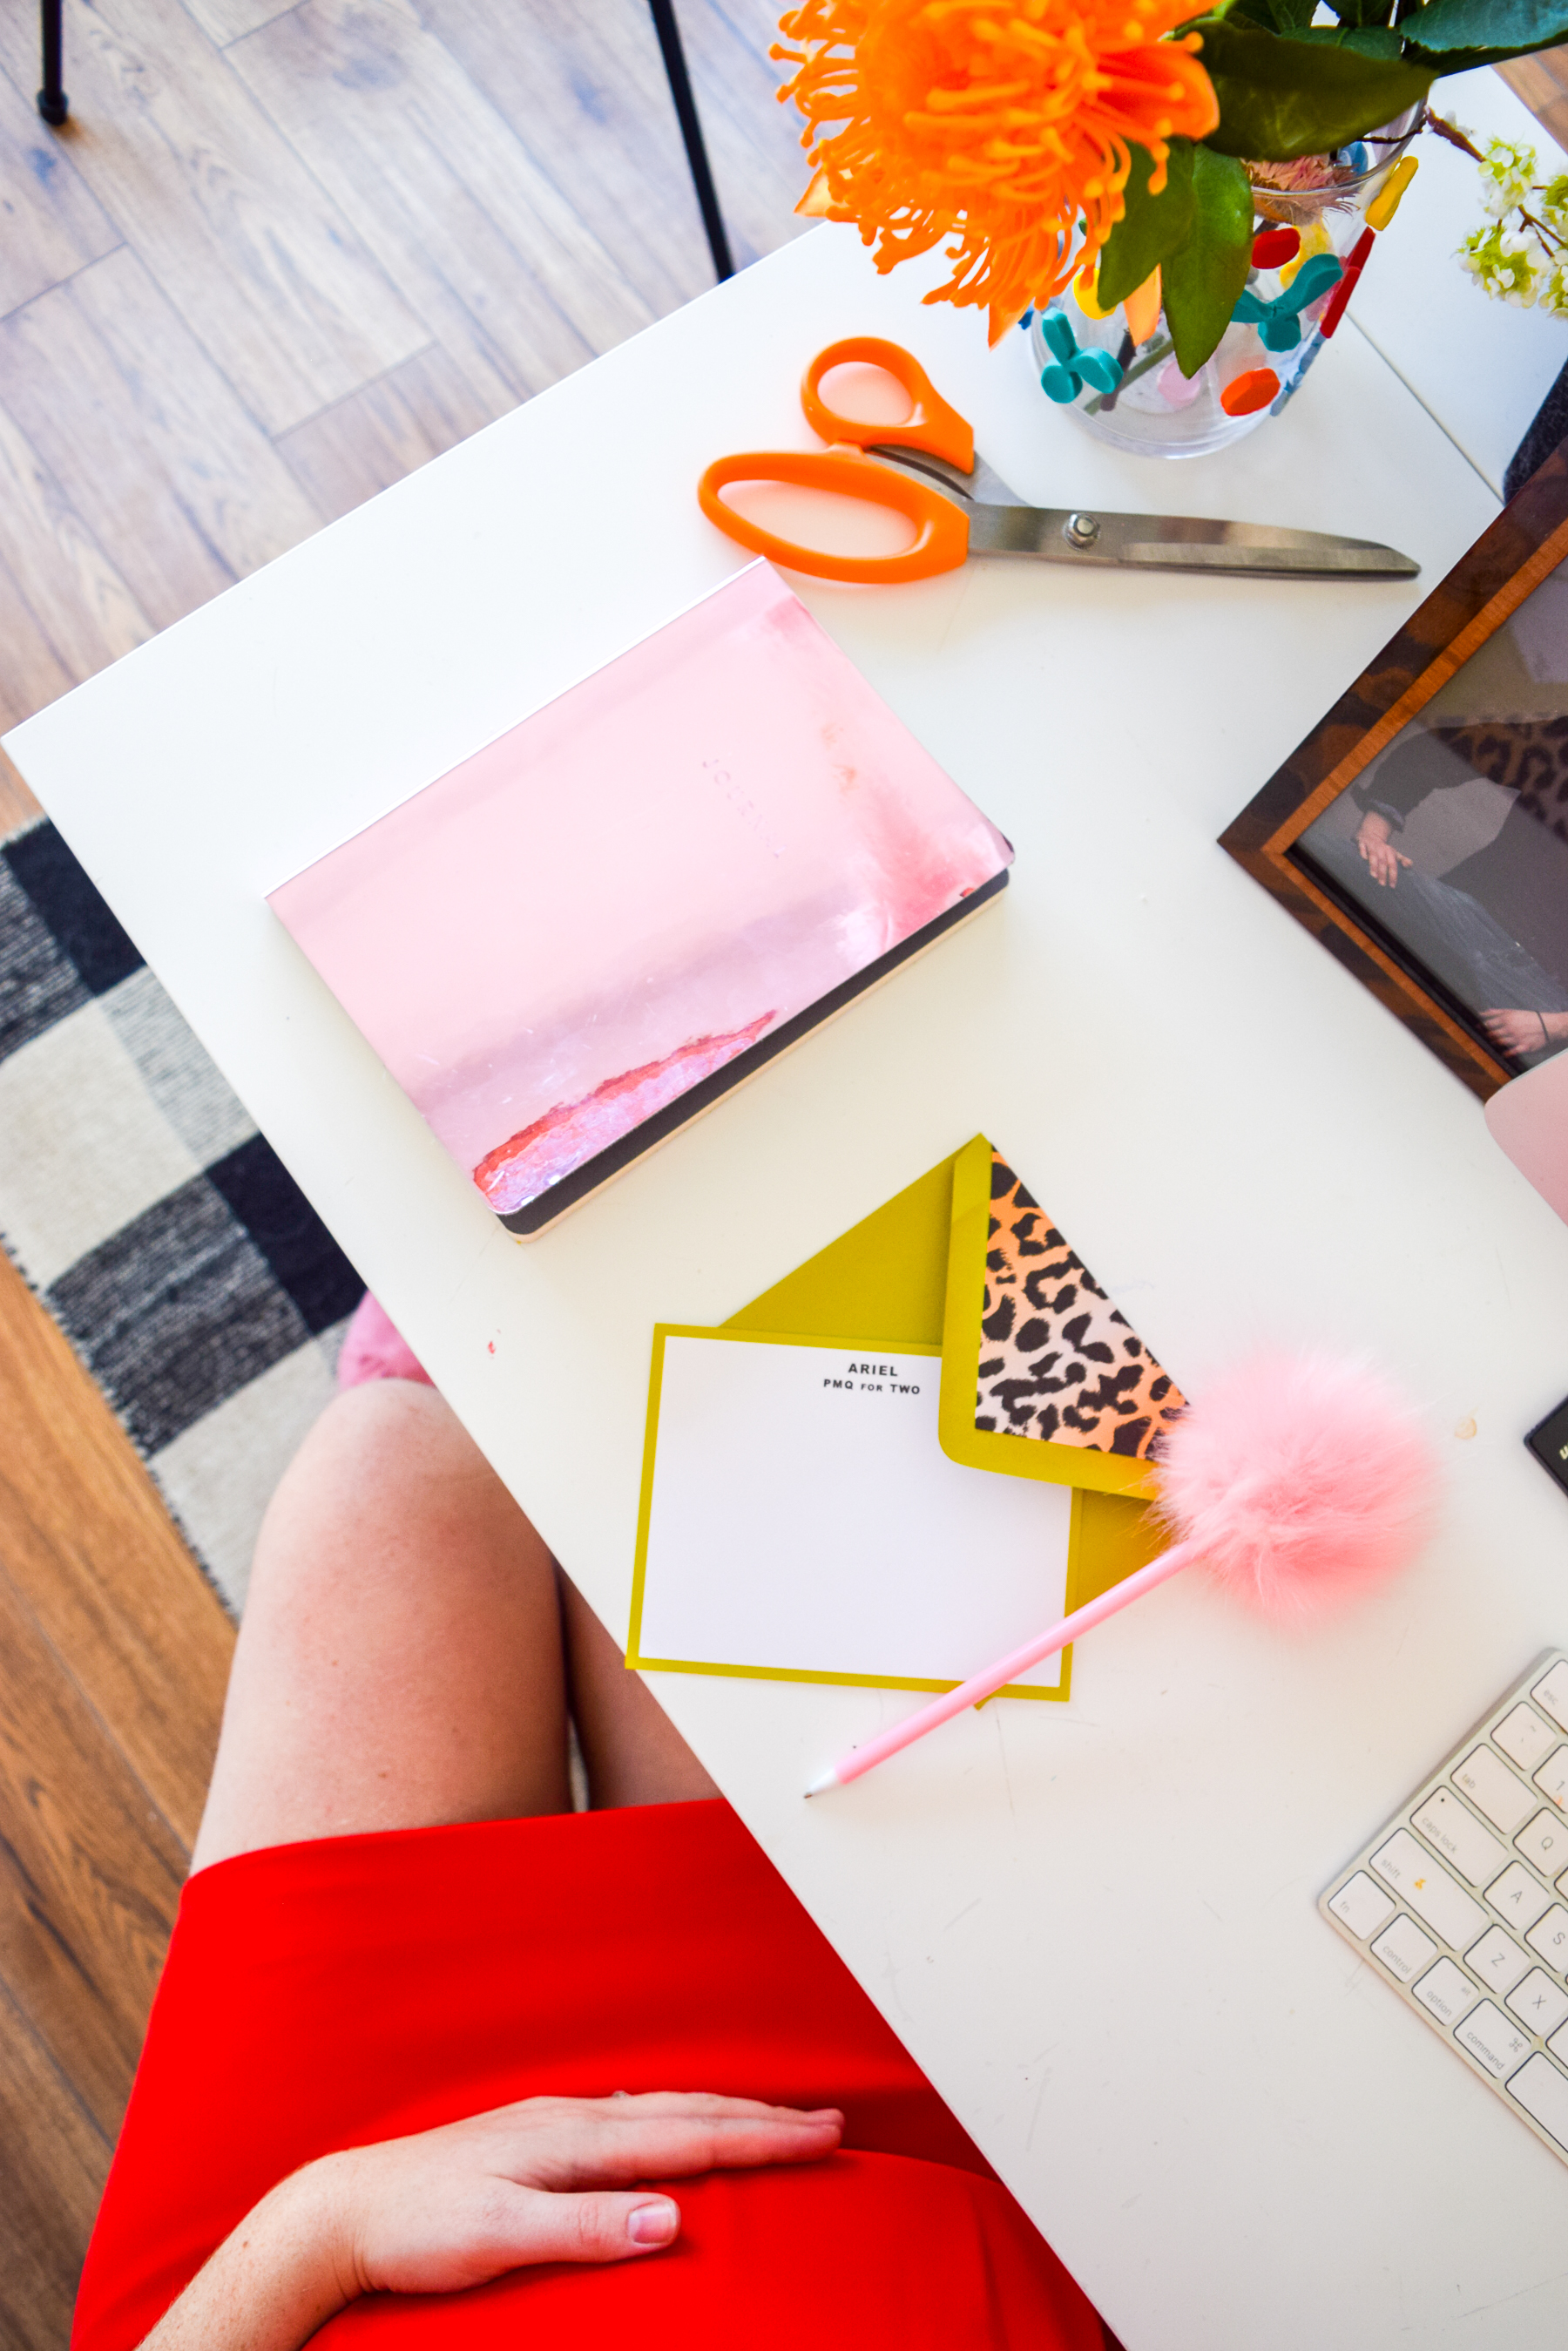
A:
(1043, 1375)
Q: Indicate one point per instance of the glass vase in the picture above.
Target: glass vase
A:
(1156, 411)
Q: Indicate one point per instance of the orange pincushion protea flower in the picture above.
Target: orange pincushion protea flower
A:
(1003, 123)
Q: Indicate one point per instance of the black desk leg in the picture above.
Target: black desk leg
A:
(52, 103)
(668, 32)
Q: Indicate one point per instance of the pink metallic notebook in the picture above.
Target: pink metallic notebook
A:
(576, 940)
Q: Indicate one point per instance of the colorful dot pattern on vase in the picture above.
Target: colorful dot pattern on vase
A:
(1074, 371)
(1279, 322)
(1315, 238)
(1386, 202)
(1087, 293)
(1244, 394)
(1272, 247)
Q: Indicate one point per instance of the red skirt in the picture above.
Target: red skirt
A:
(325, 1995)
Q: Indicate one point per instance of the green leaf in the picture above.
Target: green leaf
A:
(1203, 280)
(1273, 15)
(1281, 98)
(1365, 40)
(1356, 15)
(1152, 225)
(1465, 33)
(1518, 25)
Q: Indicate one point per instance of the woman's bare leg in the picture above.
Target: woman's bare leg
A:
(399, 1664)
(632, 1751)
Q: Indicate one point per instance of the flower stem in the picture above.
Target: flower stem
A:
(1551, 236)
(1455, 138)
(1150, 359)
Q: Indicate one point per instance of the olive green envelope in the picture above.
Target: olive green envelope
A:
(939, 1266)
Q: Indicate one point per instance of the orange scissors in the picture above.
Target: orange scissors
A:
(926, 470)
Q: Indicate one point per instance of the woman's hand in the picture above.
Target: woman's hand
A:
(1373, 836)
(549, 2179)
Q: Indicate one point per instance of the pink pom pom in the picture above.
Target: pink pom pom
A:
(1297, 1480)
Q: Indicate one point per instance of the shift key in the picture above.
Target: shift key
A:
(1428, 1889)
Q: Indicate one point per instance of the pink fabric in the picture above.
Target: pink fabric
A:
(374, 1350)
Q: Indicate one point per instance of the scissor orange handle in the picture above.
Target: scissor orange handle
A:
(932, 426)
(941, 541)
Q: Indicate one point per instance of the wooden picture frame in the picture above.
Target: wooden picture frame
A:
(1527, 542)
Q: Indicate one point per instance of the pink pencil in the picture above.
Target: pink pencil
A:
(1295, 1480)
(1006, 1669)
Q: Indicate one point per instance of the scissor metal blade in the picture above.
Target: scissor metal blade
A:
(982, 485)
(1178, 543)
(998, 525)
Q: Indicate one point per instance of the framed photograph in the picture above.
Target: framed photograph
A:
(1421, 830)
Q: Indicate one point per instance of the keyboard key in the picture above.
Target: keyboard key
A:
(1404, 1950)
(1462, 1899)
(1494, 2038)
(1550, 1694)
(1538, 2003)
(1447, 1990)
(1542, 2091)
(1459, 1837)
(1544, 1841)
(1494, 1790)
(1517, 1897)
(1550, 1937)
(1363, 1904)
(1523, 1737)
(1430, 1892)
(1497, 1960)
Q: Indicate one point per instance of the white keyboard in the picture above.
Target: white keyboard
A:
(1462, 1902)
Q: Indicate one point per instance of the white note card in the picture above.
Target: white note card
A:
(802, 1518)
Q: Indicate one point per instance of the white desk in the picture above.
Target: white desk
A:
(1093, 1925)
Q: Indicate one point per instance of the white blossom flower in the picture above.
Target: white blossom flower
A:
(1507, 176)
(1506, 263)
(1550, 202)
(1522, 259)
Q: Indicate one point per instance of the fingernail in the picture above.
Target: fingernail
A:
(653, 2224)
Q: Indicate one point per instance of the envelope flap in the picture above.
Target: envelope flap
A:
(885, 1278)
(912, 1272)
(1043, 1375)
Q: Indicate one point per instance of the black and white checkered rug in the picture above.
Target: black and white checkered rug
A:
(184, 1265)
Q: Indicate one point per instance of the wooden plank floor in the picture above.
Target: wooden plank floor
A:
(1541, 83)
(281, 256)
(113, 1653)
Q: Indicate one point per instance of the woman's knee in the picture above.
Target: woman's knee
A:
(384, 1433)
(386, 1485)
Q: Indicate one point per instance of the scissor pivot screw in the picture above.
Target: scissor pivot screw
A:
(1080, 530)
